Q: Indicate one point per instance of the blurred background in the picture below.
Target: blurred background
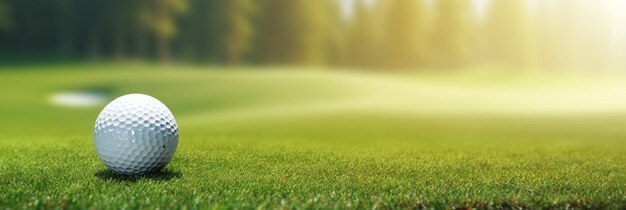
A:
(349, 69)
(514, 35)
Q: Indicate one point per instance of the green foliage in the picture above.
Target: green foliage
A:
(163, 23)
(239, 29)
(390, 34)
(295, 31)
(6, 22)
(163, 16)
(202, 31)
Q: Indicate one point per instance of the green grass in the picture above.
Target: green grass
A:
(285, 138)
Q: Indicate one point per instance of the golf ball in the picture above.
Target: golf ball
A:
(135, 134)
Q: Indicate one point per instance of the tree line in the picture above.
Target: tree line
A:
(378, 34)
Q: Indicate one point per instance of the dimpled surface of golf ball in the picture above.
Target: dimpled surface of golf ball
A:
(135, 134)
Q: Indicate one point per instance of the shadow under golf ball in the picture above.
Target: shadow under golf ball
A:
(161, 175)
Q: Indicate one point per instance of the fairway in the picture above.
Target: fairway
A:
(321, 138)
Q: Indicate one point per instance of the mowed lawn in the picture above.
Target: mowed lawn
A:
(317, 138)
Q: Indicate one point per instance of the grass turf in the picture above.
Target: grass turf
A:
(283, 138)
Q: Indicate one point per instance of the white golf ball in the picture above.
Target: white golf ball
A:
(135, 134)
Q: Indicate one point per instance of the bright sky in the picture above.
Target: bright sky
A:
(616, 8)
(347, 6)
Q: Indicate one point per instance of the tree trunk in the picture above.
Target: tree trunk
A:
(163, 46)
(232, 36)
(140, 40)
(94, 45)
(120, 44)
